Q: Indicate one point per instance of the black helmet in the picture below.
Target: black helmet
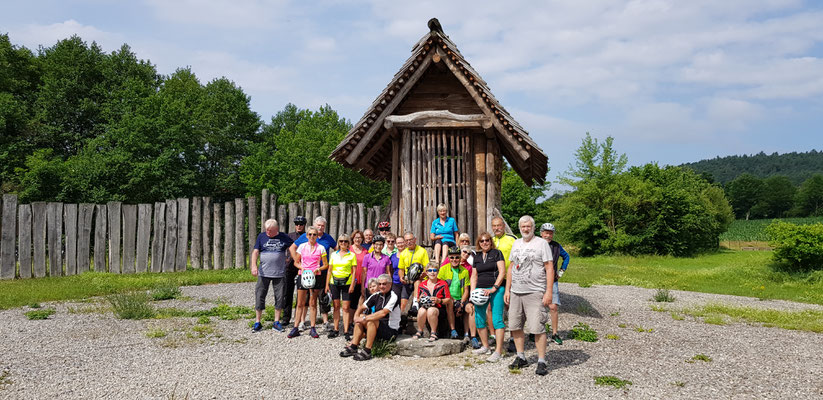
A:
(378, 238)
(454, 250)
(325, 300)
(300, 220)
(415, 271)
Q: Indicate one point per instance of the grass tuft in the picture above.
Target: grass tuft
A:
(715, 313)
(132, 305)
(609, 380)
(156, 333)
(515, 371)
(40, 314)
(166, 291)
(612, 336)
(583, 332)
(699, 357)
(642, 329)
(382, 348)
(663, 296)
(5, 379)
(655, 307)
(679, 383)
(677, 316)
(35, 305)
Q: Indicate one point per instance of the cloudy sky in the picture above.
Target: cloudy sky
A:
(671, 81)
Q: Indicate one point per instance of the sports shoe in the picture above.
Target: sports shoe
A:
(333, 334)
(495, 357)
(302, 326)
(510, 347)
(557, 339)
(454, 334)
(476, 343)
(482, 351)
(348, 352)
(294, 333)
(257, 327)
(362, 355)
(278, 327)
(518, 363)
(347, 336)
(560, 273)
(413, 310)
(542, 369)
(313, 333)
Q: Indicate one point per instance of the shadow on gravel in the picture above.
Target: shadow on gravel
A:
(559, 359)
(577, 305)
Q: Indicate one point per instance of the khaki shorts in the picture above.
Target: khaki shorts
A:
(527, 312)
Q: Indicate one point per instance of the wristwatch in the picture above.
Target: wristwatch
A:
(496, 287)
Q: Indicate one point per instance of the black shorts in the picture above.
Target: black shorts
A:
(319, 282)
(407, 291)
(261, 290)
(339, 292)
(446, 243)
(397, 288)
(354, 296)
(386, 333)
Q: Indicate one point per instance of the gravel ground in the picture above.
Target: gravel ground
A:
(83, 351)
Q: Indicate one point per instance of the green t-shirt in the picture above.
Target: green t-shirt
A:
(455, 287)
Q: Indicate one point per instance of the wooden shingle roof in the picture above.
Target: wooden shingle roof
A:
(366, 148)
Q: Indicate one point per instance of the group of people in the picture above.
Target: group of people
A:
(372, 284)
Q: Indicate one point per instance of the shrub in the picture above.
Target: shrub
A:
(663, 295)
(166, 291)
(801, 246)
(40, 314)
(132, 305)
(583, 332)
(383, 348)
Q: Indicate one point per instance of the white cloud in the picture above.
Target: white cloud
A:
(222, 13)
(35, 35)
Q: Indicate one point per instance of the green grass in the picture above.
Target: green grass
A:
(166, 291)
(612, 336)
(609, 380)
(583, 332)
(699, 357)
(156, 333)
(383, 348)
(20, 292)
(677, 316)
(132, 305)
(663, 296)
(754, 229)
(713, 313)
(741, 273)
(44, 313)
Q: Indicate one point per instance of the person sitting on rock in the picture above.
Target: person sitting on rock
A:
(433, 295)
(383, 323)
(456, 276)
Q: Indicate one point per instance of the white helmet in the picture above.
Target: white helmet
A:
(307, 279)
(547, 227)
(425, 301)
(479, 297)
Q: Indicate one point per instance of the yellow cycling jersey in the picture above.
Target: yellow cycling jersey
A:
(504, 244)
(407, 258)
(342, 266)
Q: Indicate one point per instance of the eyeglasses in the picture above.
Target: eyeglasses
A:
(390, 241)
(485, 240)
(454, 257)
(299, 224)
(431, 270)
(382, 283)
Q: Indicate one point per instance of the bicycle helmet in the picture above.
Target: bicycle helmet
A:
(415, 272)
(384, 226)
(307, 279)
(325, 300)
(547, 227)
(478, 297)
(425, 301)
(300, 220)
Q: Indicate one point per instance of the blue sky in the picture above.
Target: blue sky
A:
(671, 81)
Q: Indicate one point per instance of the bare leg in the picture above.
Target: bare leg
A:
(520, 341)
(448, 304)
(437, 253)
(336, 314)
(300, 314)
(346, 315)
(484, 336)
(540, 343)
(498, 341)
(553, 312)
(421, 320)
(371, 333)
(432, 316)
(359, 332)
(313, 308)
(470, 316)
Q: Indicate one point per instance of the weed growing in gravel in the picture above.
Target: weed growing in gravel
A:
(156, 333)
(621, 325)
(642, 329)
(515, 371)
(612, 336)
(382, 348)
(609, 380)
(806, 320)
(655, 307)
(203, 320)
(679, 383)
(583, 332)
(663, 296)
(585, 284)
(34, 305)
(40, 314)
(715, 319)
(222, 311)
(166, 291)
(699, 357)
(132, 305)
(677, 317)
(615, 314)
(5, 378)
(202, 331)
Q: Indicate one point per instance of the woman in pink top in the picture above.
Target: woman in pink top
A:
(360, 253)
(309, 256)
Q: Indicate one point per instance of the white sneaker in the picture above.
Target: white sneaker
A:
(495, 357)
(481, 351)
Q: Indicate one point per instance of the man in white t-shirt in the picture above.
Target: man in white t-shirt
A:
(529, 283)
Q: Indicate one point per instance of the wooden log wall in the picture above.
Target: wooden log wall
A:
(56, 239)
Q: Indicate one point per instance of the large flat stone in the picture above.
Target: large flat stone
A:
(424, 348)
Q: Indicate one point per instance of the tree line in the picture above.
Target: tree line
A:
(796, 167)
(775, 197)
(81, 125)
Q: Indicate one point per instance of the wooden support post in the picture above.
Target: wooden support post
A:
(352, 217)
(361, 216)
(310, 212)
(8, 238)
(217, 240)
(394, 214)
(239, 233)
(38, 236)
(208, 262)
(170, 249)
(471, 202)
(158, 242)
(342, 226)
(480, 183)
(405, 184)
(70, 228)
(292, 215)
(273, 206)
(492, 188)
(370, 219)
(283, 218)
(129, 237)
(101, 228)
(54, 225)
(85, 216)
(302, 210)
(143, 237)
(114, 235)
(324, 209)
(264, 209)
(253, 231)
(334, 217)
(197, 233)
(228, 233)
(24, 240)
(182, 257)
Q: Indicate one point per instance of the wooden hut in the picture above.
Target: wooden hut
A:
(437, 132)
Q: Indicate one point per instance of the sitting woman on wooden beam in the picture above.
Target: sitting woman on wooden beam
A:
(443, 233)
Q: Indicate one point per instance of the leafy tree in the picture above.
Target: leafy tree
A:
(293, 160)
(518, 199)
(810, 197)
(19, 74)
(796, 166)
(777, 197)
(744, 193)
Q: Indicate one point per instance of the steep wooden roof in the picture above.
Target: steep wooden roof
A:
(366, 146)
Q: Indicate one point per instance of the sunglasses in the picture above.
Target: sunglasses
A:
(299, 224)
(431, 270)
(343, 241)
(311, 234)
(485, 240)
(454, 257)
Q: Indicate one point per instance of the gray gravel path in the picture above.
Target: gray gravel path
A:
(80, 353)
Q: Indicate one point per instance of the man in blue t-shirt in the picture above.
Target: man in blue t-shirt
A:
(270, 249)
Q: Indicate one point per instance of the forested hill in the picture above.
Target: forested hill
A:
(796, 166)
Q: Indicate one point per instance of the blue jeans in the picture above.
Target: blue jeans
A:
(496, 301)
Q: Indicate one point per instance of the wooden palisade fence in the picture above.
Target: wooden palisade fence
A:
(55, 239)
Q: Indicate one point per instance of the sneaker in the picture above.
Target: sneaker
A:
(542, 369)
(518, 363)
(302, 326)
(294, 333)
(482, 351)
(278, 326)
(347, 336)
(557, 339)
(257, 327)
(362, 355)
(476, 343)
(510, 347)
(348, 352)
(495, 357)
(313, 333)
(333, 334)
(454, 334)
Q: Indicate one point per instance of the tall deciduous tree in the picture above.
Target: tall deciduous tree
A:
(518, 199)
(744, 192)
(810, 197)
